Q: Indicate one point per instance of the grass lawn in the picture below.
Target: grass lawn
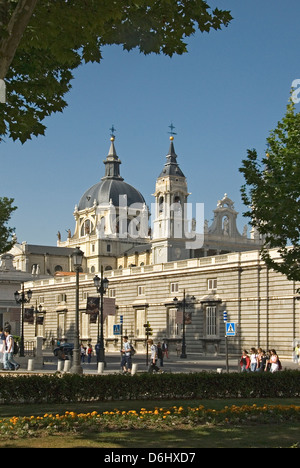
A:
(185, 436)
(267, 436)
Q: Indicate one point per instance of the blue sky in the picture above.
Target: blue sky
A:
(223, 97)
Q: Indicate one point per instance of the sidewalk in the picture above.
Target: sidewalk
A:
(193, 363)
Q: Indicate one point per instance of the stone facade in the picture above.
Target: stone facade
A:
(262, 303)
(147, 270)
(41, 260)
(10, 282)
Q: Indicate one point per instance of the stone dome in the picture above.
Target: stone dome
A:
(110, 190)
(111, 187)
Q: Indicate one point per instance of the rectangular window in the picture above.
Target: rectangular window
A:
(61, 298)
(173, 327)
(141, 290)
(112, 292)
(140, 320)
(109, 323)
(211, 321)
(174, 288)
(84, 295)
(61, 325)
(212, 284)
(85, 325)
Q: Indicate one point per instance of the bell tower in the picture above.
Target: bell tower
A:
(170, 224)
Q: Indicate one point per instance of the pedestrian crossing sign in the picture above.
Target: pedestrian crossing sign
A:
(230, 329)
(117, 329)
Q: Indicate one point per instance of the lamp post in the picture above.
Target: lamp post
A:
(76, 368)
(22, 299)
(101, 285)
(183, 304)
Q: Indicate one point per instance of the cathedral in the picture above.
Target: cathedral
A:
(151, 257)
(113, 229)
(112, 221)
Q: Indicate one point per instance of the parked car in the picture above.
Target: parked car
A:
(65, 348)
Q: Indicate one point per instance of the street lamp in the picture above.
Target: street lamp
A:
(21, 299)
(76, 368)
(101, 285)
(184, 303)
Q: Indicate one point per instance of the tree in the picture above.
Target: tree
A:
(43, 41)
(6, 209)
(272, 193)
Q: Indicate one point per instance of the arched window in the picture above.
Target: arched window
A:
(177, 203)
(87, 227)
(161, 204)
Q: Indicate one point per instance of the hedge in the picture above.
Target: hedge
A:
(61, 388)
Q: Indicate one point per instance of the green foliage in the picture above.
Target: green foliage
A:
(272, 194)
(57, 388)
(64, 34)
(6, 208)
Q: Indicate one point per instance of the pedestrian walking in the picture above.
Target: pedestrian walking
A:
(2, 345)
(274, 361)
(126, 361)
(297, 353)
(253, 359)
(82, 352)
(9, 362)
(165, 349)
(160, 354)
(261, 360)
(245, 361)
(89, 353)
(153, 358)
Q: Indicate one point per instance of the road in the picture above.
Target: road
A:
(193, 363)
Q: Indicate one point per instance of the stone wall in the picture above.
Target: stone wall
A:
(262, 303)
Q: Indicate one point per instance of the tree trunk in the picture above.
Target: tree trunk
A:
(15, 30)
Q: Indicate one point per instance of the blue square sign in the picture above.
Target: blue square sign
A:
(230, 329)
(117, 329)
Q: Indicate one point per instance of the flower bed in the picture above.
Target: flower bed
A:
(124, 420)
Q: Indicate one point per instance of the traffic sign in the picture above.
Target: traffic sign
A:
(117, 329)
(230, 329)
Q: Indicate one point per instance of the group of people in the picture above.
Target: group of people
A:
(86, 352)
(158, 352)
(260, 361)
(7, 349)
